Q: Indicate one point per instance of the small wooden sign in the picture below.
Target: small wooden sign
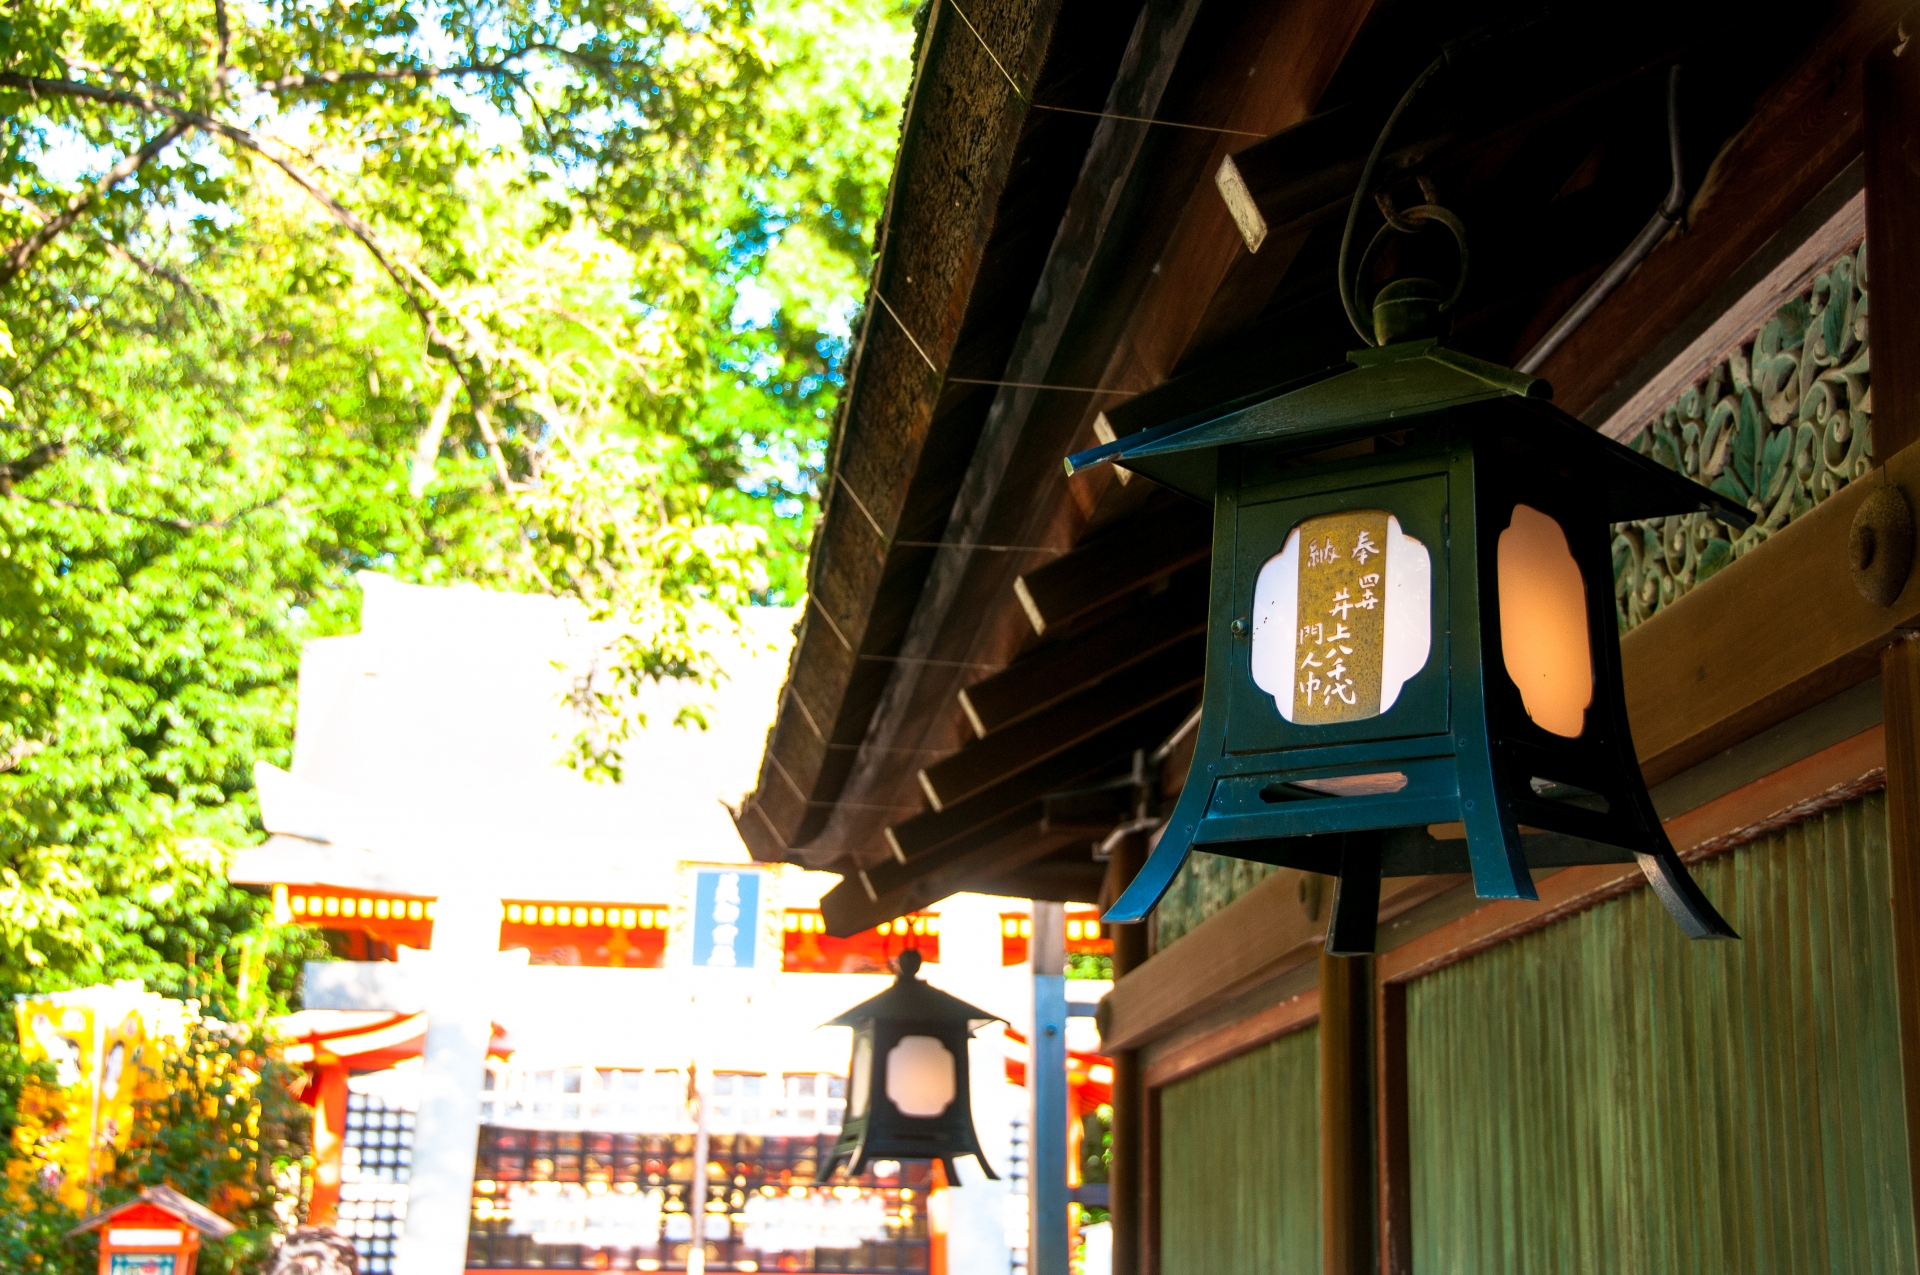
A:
(1341, 617)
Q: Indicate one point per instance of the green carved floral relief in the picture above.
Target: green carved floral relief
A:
(1780, 423)
(1206, 884)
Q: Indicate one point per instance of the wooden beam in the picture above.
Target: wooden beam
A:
(1262, 934)
(1008, 474)
(975, 199)
(1057, 670)
(1301, 48)
(1144, 727)
(1805, 130)
(1230, 1041)
(1893, 241)
(1007, 843)
(1346, 1115)
(1698, 680)
(1032, 740)
(1144, 549)
(1513, 84)
(1068, 876)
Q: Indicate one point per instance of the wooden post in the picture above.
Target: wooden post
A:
(1390, 1111)
(329, 1142)
(1892, 91)
(1347, 1219)
(1900, 688)
(1125, 1181)
(1892, 87)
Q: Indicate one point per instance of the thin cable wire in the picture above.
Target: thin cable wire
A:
(976, 380)
(966, 544)
(1075, 110)
(861, 505)
(1011, 83)
(1143, 119)
(906, 331)
(1030, 385)
(914, 659)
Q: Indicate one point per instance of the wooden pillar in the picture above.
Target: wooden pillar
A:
(1892, 90)
(1892, 84)
(1900, 687)
(1390, 1113)
(1348, 1221)
(1125, 1180)
(329, 1142)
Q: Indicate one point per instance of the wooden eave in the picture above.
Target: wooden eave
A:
(1148, 290)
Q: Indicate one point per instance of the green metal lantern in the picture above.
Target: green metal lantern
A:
(1412, 624)
(907, 1085)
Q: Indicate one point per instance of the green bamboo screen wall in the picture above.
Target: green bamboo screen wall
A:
(1240, 1164)
(1604, 1096)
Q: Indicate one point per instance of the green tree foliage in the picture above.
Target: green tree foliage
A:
(223, 1126)
(548, 295)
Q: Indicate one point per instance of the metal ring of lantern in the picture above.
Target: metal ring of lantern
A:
(1417, 219)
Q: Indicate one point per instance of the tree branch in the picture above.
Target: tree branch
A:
(39, 458)
(418, 74)
(21, 255)
(172, 524)
(407, 277)
(133, 259)
(220, 63)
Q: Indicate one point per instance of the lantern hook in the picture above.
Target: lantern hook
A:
(1365, 188)
(1407, 309)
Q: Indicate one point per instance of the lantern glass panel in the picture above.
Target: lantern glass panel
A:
(920, 1076)
(1342, 617)
(1543, 623)
(860, 1082)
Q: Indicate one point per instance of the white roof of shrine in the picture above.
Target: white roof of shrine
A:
(429, 752)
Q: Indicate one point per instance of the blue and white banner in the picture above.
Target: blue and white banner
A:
(727, 906)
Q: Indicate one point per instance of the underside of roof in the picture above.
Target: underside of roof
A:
(1113, 216)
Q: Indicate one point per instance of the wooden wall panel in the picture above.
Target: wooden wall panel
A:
(1604, 1095)
(1239, 1165)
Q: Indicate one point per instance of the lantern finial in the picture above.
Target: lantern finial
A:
(908, 964)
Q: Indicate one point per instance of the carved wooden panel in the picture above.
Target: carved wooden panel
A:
(1779, 424)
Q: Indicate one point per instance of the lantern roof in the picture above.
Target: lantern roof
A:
(161, 1200)
(910, 998)
(1378, 391)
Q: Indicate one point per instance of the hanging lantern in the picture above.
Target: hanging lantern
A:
(1412, 627)
(907, 1089)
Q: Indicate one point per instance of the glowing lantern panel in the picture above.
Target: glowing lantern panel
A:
(1543, 623)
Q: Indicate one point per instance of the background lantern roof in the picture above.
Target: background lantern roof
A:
(1391, 388)
(188, 1212)
(912, 999)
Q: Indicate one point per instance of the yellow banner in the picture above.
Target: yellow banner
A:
(106, 1047)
